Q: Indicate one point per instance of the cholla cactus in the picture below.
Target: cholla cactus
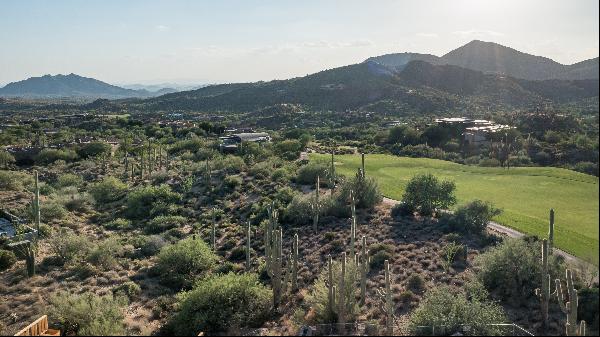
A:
(387, 306)
(568, 302)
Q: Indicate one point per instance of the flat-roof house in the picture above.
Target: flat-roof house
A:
(231, 142)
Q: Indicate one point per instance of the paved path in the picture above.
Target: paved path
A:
(506, 231)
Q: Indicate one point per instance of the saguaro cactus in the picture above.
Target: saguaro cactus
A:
(248, 243)
(362, 166)
(315, 206)
(332, 173)
(568, 302)
(276, 272)
(330, 286)
(341, 297)
(363, 267)
(36, 203)
(387, 306)
(551, 232)
(295, 263)
(213, 236)
(544, 293)
(352, 227)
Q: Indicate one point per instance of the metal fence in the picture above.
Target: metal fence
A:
(468, 330)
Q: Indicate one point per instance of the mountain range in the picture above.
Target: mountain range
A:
(493, 58)
(76, 86)
(478, 75)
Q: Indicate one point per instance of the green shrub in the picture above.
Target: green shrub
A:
(68, 180)
(289, 149)
(151, 201)
(108, 190)
(513, 269)
(231, 182)
(6, 158)
(447, 311)
(416, 283)
(223, 303)
(14, 181)
(299, 211)
(50, 211)
(231, 164)
(152, 245)
(401, 209)
(93, 149)
(365, 191)
(489, 162)
(318, 298)
(472, 217)
(129, 289)
(67, 246)
(49, 156)
(426, 194)
(92, 315)
(307, 174)
(7, 259)
(164, 222)
(118, 224)
(182, 263)
(73, 200)
(380, 252)
(104, 255)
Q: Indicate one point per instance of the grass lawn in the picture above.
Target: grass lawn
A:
(525, 194)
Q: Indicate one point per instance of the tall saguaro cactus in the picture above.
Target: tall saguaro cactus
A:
(551, 232)
(352, 226)
(316, 206)
(363, 267)
(332, 172)
(341, 297)
(213, 235)
(248, 244)
(568, 302)
(36, 204)
(295, 263)
(544, 293)
(385, 295)
(362, 166)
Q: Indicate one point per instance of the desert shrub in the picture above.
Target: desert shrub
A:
(164, 222)
(448, 310)
(231, 182)
(426, 194)
(473, 160)
(513, 269)
(7, 259)
(420, 151)
(289, 149)
(401, 209)
(68, 180)
(104, 255)
(223, 303)
(151, 201)
(231, 164)
(14, 181)
(118, 224)
(238, 253)
(307, 174)
(182, 263)
(416, 283)
(152, 245)
(364, 189)
(129, 289)
(50, 211)
(318, 298)
(586, 167)
(380, 252)
(262, 169)
(110, 189)
(89, 314)
(450, 253)
(93, 149)
(471, 218)
(159, 177)
(489, 162)
(588, 306)
(299, 211)
(281, 174)
(49, 156)
(67, 246)
(191, 145)
(6, 158)
(74, 201)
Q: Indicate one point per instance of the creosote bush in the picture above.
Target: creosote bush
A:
(151, 201)
(513, 269)
(426, 194)
(447, 309)
(88, 314)
(110, 189)
(67, 246)
(223, 303)
(181, 264)
(14, 181)
(471, 218)
(164, 222)
(7, 259)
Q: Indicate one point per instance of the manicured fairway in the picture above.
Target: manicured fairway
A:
(525, 194)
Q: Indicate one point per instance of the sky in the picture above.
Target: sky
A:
(194, 42)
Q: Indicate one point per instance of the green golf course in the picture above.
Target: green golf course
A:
(525, 194)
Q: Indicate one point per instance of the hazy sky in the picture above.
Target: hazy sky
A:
(230, 41)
